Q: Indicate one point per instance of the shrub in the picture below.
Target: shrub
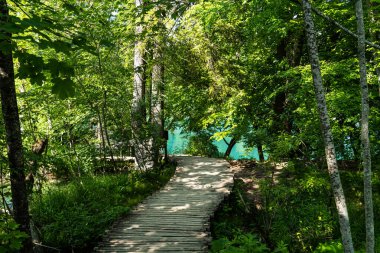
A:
(298, 211)
(76, 214)
(242, 243)
(329, 247)
(10, 237)
(201, 145)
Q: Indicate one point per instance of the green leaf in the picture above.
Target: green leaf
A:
(31, 66)
(71, 7)
(11, 28)
(220, 244)
(5, 47)
(59, 69)
(64, 88)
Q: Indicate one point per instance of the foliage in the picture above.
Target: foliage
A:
(201, 145)
(329, 247)
(298, 212)
(242, 243)
(75, 214)
(73, 57)
(10, 237)
(242, 70)
(233, 226)
(296, 209)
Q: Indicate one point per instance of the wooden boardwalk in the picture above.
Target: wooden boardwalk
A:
(177, 218)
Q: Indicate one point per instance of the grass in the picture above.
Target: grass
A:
(73, 216)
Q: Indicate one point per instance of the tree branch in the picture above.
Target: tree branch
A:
(336, 23)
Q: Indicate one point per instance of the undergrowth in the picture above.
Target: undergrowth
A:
(10, 237)
(72, 216)
(294, 214)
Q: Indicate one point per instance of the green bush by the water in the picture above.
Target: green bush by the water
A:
(74, 215)
(201, 145)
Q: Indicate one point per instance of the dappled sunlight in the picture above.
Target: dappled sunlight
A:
(156, 246)
(179, 208)
(134, 226)
(205, 173)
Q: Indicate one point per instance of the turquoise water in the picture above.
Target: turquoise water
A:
(177, 144)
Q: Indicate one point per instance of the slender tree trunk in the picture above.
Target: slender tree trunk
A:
(366, 153)
(104, 109)
(332, 165)
(104, 115)
(230, 146)
(101, 135)
(13, 131)
(38, 148)
(157, 101)
(261, 152)
(138, 113)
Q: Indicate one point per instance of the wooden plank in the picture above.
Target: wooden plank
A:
(152, 228)
(143, 240)
(151, 246)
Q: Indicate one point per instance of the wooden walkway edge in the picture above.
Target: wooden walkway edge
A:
(177, 218)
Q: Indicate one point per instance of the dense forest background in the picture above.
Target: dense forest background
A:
(232, 70)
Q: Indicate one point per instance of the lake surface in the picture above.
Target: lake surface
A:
(177, 144)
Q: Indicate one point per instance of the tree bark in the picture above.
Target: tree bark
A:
(261, 152)
(37, 148)
(230, 146)
(157, 101)
(138, 113)
(13, 131)
(289, 48)
(366, 153)
(332, 165)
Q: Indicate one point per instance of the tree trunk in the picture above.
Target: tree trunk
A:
(37, 148)
(336, 185)
(164, 134)
(261, 152)
(289, 48)
(104, 109)
(101, 137)
(366, 154)
(230, 146)
(157, 101)
(104, 116)
(13, 131)
(138, 113)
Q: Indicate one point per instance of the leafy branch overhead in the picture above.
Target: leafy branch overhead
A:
(38, 28)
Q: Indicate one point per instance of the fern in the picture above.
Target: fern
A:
(242, 243)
